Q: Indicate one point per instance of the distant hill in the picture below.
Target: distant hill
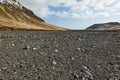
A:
(105, 26)
(14, 16)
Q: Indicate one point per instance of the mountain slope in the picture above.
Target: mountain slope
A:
(15, 17)
(105, 26)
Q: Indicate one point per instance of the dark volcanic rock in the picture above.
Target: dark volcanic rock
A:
(60, 55)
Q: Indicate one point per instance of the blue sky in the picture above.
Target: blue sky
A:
(75, 14)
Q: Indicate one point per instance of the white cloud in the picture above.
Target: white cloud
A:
(77, 9)
(44, 12)
(62, 14)
(116, 6)
(104, 14)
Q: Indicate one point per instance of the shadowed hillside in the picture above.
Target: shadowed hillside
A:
(105, 26)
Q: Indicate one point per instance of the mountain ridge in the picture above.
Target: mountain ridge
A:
(105, 26)
(12, 16)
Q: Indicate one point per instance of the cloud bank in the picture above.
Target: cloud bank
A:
(75, 8)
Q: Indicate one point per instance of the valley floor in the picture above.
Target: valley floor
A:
(60, 55)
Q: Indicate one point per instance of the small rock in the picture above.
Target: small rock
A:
(27, 47)
(34, 48)
(76, 76)
(41, 53)
(81, 50)
(54, 62)
(4, 68)
(78, 49)
(79, 39)
(13, 44)
(42, 40)
(15, 73)
(73, 58)
(56, 50)
(86, 74)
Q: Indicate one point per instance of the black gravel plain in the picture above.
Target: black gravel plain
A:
(60, 55)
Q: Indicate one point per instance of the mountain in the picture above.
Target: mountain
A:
(105, 26)
(14, 16)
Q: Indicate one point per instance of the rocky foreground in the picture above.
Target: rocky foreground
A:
(60, 55)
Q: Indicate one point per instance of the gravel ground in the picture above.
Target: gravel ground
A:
(60, 55)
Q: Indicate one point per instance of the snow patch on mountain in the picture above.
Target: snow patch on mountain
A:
(12, 2)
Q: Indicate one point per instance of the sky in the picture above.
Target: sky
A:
(75, 14)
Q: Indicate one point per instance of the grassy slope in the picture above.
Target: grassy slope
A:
(25, 19)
